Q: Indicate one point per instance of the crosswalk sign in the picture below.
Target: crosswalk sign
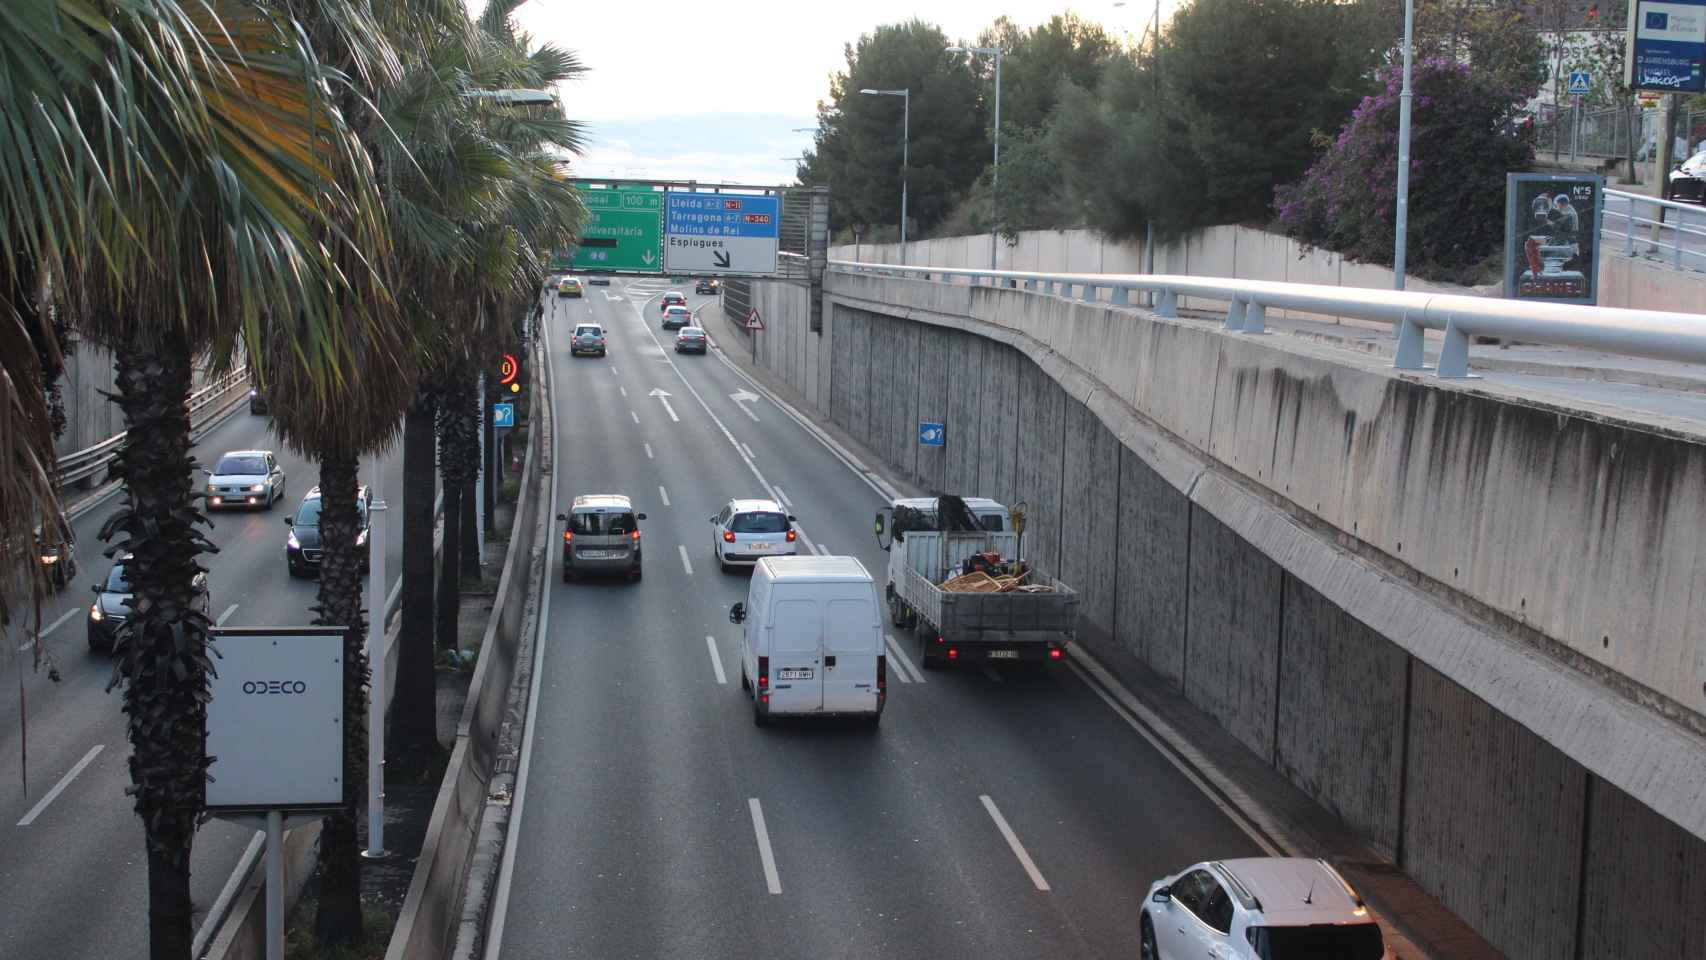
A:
(1580, 81)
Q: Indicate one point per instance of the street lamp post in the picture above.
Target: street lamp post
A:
(1152, 31)
(905, 96)
(995, 176)
(1402, 210)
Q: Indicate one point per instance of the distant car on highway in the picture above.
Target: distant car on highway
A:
(588, 338)
(674, 298)
(676, 317)
(245, 478)
(706, 285)
(58, 551)
(257, 401)
(1688, 181)
(568, 287)
(302, 546)
(111, 609)
(1258, 908)
(599, 279)
(746, 531)
(690, 340)
(601, 534)
(551, 282)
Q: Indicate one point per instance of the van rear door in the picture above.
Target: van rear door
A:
(852, 642)
(796, 643)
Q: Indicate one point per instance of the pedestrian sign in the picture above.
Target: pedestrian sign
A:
(932, 434)
(1580, 81)
(503, 415)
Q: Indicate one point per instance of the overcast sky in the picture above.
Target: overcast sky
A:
(712, 91)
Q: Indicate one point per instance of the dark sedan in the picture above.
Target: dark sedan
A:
(302, 549)
(705, 285)
(690, 340)
(112, 608)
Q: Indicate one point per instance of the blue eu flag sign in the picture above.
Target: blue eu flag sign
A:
(1657, 20)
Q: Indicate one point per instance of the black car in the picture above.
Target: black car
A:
(598, 279)
(705, 285)
(111, 607)
(257, 400)
(302, 546)
(58, 551)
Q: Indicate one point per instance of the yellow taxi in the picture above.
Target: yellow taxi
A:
(568, 287)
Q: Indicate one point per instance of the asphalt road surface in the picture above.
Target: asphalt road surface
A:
(73, 876)
(993, 815)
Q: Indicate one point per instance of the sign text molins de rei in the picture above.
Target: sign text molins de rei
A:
(275, 723)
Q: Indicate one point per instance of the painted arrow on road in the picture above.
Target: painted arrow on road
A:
(741, 399)
(663, 398)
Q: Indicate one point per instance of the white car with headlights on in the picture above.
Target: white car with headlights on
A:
(245, 478)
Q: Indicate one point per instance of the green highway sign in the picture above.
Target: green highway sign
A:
(624, 230)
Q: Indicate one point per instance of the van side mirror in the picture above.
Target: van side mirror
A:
(289, 522)
(95, 587)
(879, 524)
(880, 528)
(1162, 895)
(563, 517)
(793, 519)
(737, 613)
(639, 516)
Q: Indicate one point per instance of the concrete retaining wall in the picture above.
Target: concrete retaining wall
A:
(1250, 254)
(1363, 577)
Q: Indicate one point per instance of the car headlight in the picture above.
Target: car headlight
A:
(253, 392)
(95, 614)
(212, 489)
(292, 542)
(257, 488)
(49, 559)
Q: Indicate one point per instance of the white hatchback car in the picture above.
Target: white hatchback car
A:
(750, 530)
(1259, 908)
(245, 478)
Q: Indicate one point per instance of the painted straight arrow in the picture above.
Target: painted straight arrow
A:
(663, 398)
(742, 398)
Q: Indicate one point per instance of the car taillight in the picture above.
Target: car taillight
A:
(792, 536)
(1054, 653)
(763, 673)
(728, 536)
(635, 534)
(568, 536)
(953, 654)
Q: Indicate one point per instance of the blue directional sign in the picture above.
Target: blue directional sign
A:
(1580, 81)
(503, 415)
(932, 434)
(1669, 45)
(721, 233)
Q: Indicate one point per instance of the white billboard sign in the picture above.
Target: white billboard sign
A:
(275, 723)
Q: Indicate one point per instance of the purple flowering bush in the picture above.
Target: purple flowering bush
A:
(1465, 135)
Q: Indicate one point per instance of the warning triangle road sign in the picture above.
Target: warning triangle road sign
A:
(754, 321)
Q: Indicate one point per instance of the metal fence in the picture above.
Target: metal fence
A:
(1666, 230)
(1604, 133)
(203, 404)
(1638, 333)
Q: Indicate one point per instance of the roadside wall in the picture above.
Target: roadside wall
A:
(1461, 623)
(1246, 253)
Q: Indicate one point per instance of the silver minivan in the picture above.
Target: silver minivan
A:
(601, 534)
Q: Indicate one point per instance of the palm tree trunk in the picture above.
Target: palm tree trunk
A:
(162, 659)
(470, 533)
(338, 922)
(450, 569)
(414, 711)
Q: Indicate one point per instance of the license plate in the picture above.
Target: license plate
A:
(796, 673)
(601, 554)
(1003, 654)
(761, 546)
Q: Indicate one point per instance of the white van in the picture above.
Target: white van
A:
(813, 643)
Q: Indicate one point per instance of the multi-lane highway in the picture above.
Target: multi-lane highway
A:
(992, 815)
(72, 871)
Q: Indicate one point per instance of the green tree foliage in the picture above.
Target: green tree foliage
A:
(1036, 61)
(1498, 36)
(858, 147)
(1464, 139)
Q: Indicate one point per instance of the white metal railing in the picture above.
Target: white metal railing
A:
(91, 460)
(1638, 333)
(1630, 218)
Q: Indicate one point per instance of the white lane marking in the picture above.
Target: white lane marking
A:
(899, 654)
(1085, 668)
(747, 409)
(782, 495)
(648, 451)
(664, 494)
(749, 454)
(59, 787)
(55, 625)
(716, 660)
(771, 880)
(722, 427)
(822, 550)
(634, 415)
(623, 389)
(686, 564)
(613, 371)
(225, 616)
(222, 903)
(1014, 844)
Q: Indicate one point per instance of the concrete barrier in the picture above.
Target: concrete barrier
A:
(426, 925)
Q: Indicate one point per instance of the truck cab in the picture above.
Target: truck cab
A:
(990, 516)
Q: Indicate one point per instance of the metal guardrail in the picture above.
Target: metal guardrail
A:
(1637, 333)
(1684, 224)
(91, 460)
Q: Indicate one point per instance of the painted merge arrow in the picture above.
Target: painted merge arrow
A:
(742, 398)
(663, 398)
(720, 258)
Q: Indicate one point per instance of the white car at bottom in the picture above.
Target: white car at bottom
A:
(747, 531)
(1259, 908)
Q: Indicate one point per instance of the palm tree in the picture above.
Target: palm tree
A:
(171, 173)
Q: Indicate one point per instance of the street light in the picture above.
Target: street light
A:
(905, 96)
(995, 177)
(1403, 208)
(1149, 227)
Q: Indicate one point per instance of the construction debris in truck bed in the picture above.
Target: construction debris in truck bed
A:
(980, 582)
